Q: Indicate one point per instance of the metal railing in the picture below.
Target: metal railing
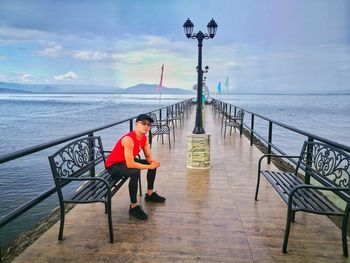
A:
(226, 109)
(176, 108)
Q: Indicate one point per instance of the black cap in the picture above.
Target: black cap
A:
(143, 117)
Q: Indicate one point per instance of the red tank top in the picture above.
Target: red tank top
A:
(117, 155)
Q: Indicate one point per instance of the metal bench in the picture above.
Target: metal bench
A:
(326, 169)
(234, 121)
(75, 163)
(173, 116)
(159, 128)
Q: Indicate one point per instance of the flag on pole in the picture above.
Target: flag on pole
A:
(226, 84)
(159, 89)
(219, 87)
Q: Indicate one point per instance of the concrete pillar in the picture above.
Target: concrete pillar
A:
(198, 151)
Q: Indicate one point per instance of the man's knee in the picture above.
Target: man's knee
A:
(134, 173)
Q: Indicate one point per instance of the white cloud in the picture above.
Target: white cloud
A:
(67, 76)
(3, 77)
(12, 35)
(90, 55)
(52, 52)
(16, 77)
(26, 78)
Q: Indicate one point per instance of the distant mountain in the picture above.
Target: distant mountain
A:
(7, 87)
(81, 89)
(56, 88)
(16, 87)
(3, 90)
(152, 89)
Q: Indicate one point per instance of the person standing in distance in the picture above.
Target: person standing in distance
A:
(122, 163)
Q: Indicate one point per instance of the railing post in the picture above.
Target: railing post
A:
(223, 115)
(131, 125)
(235, 111)
(241, 126)
(308, 160)
(230, 109)
(167, 115)
(92, 153)
(251, 130)
(270, 141)
(160, 115)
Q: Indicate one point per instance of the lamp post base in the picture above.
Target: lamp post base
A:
(198, 130)
(198, 151)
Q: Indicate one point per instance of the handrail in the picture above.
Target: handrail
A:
(4, 220)
(309, 135)
(20, 153)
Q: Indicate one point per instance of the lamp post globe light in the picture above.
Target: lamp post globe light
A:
(188, 28)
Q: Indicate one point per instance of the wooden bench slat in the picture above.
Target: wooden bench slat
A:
(323, 203)
(278, 184)
(96, 189)
(306, 203)
(315, 199)
(88, 191)
(308, 199)
(87, 188)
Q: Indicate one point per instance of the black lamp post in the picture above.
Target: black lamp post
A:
(188, 28)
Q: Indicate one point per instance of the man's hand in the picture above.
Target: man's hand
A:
(154, 164)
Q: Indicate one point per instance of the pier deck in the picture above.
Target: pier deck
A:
(209, 216)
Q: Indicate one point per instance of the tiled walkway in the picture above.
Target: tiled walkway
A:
(209, 216)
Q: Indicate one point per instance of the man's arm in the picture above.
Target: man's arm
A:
(147, 152)
(128, 145)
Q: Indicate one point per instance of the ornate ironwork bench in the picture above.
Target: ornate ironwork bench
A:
(326, 169)
(75, 164)
(233, 121)
(172, 116)
(159, 128)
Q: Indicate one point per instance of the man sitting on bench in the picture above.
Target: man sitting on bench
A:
(122, 163)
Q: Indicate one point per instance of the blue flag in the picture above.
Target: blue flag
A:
(219, 87)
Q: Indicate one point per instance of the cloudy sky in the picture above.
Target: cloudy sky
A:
(262, 46)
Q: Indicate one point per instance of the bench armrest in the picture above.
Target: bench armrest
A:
(274, 155)
(104, 181)
(159, 124)
(106, 153)
(315, 187)
(232, 118)
(162, 122)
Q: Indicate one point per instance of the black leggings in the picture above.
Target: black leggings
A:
(120, 171)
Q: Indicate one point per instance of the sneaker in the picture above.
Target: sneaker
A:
(137, 212)
(154, 197)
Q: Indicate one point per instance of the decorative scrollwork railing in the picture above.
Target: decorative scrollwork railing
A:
(330, 162)
(76, 155)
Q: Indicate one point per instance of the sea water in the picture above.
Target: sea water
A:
(327, 116)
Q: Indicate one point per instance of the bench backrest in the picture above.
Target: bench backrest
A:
(155, 119)
(327, 164)
(170, 111)
(76, 158)
(240, 115)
